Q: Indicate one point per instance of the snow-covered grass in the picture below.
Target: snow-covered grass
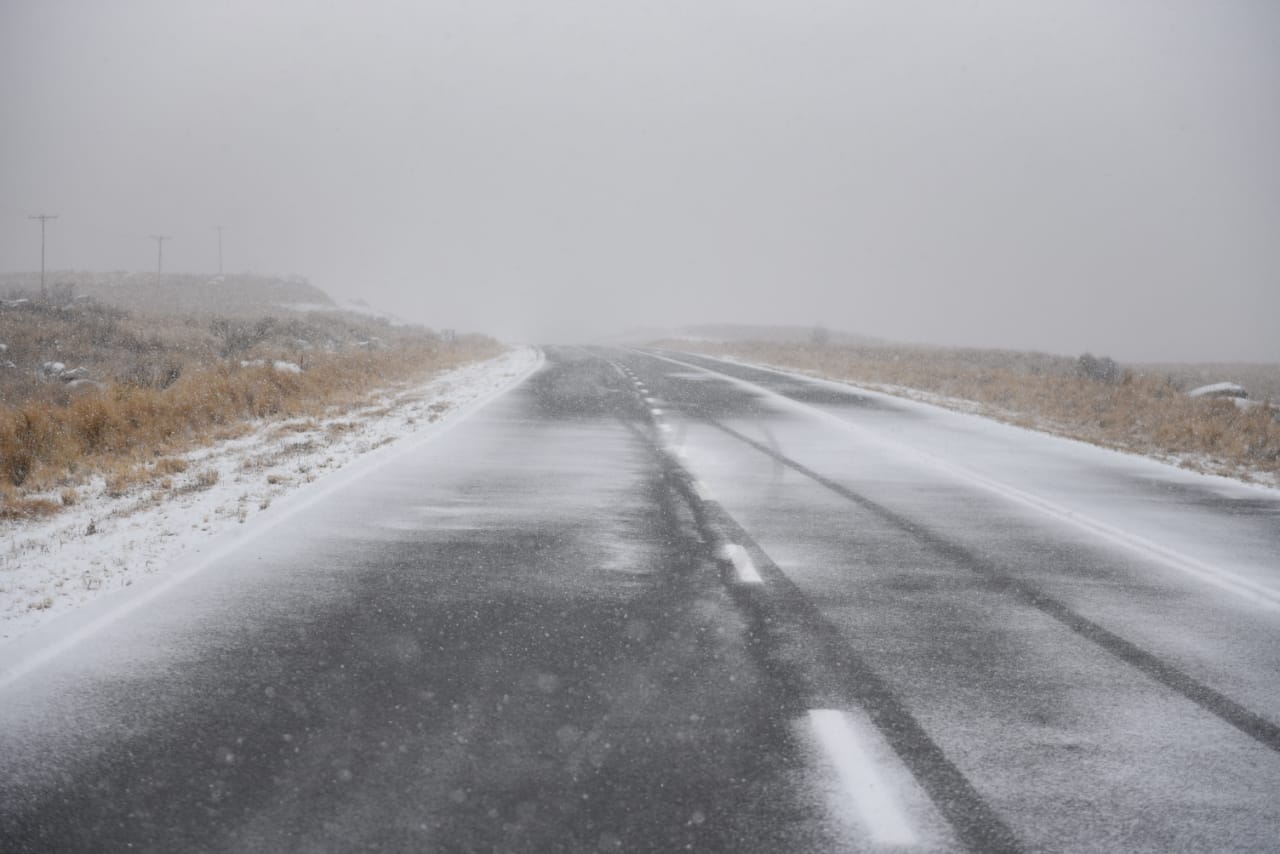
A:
(1137, 413)
(108, 534)
(145, 386)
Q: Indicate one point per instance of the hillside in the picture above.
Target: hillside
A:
(108, 381)
(172, 293)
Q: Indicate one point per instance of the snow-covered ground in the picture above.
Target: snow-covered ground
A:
(1196, 462)
(104, 542)
(957, 471)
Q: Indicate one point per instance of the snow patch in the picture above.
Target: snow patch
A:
(103, 542)
(278, 365)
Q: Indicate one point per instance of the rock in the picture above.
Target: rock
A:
(1224, 389)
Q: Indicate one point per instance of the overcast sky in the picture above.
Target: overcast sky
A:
(1062, 175)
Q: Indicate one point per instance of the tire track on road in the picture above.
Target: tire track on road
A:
(1214, 702)
(1248, 722)
(808, 656)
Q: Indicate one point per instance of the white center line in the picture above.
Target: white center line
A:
(880, 812)
(741, 561)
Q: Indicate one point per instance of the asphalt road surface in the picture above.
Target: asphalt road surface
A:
(657, 602)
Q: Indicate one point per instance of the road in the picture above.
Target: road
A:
(653, 602)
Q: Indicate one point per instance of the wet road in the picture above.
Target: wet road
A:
(657, 602)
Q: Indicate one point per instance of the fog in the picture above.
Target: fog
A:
(1063, 176)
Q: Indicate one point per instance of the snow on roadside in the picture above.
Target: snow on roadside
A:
(105, 542)
(1196, 462)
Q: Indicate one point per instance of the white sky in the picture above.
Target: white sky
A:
(1064, 175)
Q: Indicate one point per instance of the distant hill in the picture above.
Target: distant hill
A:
(240, 295)
(731, 332)
(784, 334)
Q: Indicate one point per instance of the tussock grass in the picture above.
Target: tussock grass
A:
(164, 386)
(1138, 412)
(170, 465)
(13, 506)
(203, 480)
(122, 477)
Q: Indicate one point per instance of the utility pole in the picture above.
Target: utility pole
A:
(160, 239)
(43, 219)
(219, 249)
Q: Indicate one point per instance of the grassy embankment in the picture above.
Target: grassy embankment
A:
(1141, 409)
(157, 385)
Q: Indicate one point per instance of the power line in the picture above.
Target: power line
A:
(160, 239)
(43, 219)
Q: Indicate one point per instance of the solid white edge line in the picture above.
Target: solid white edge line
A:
(1223, 579)
(883, 818)
(702, 491)
(742, 564)
(372, 461)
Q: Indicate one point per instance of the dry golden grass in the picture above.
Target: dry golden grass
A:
(13, 506)
(170, 465)
(168, 385)
(123, 476)
(1140, 413)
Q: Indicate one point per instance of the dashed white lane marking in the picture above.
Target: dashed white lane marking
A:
(650, 400)
(883, 817)
(1261, 594)
(741, 561)
(656, 411)
(665, 428)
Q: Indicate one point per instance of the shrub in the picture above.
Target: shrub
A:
(1099, 369)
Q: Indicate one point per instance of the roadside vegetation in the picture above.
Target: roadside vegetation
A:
(92, 390)
(1141, 409)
